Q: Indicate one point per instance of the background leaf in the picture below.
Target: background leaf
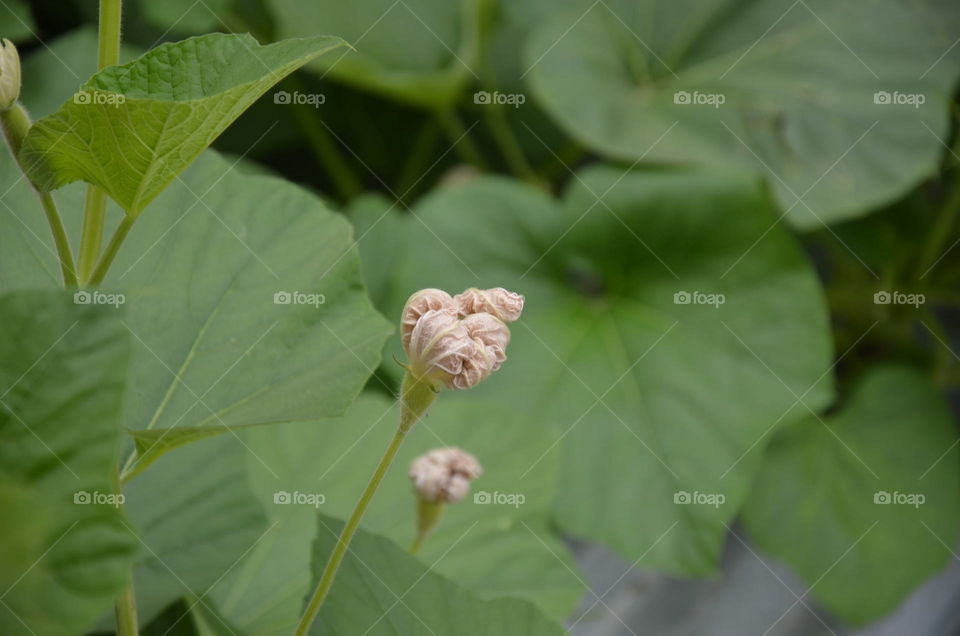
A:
(798, 80)
(423, 53)
(645, 398)
(65, 548)
(846, 486)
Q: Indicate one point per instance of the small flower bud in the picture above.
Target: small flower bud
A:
(503, 304)
(9, 74)
(458, 341)
(444, 474)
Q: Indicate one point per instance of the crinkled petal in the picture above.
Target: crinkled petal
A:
(439, 342)
(505, 305)
(420, 303)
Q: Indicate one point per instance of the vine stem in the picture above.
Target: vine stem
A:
(111, 251)
(126, 610)
(15, 123)
(416, 395)
(95, 206)
(940, 232)
(459, 134)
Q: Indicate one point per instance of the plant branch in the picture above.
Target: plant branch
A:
(95, 207)
(15, 124)
(459, 134)
(416, 395)
(111, 251)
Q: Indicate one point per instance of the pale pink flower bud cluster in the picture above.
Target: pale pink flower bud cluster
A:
(444, 474)
(458, 340)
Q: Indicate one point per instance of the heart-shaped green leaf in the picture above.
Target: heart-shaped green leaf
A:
(669, 326)
(196, 533)
(842, 106)
(381, 590)
(65, 546)
(867, 496)
(131, 129)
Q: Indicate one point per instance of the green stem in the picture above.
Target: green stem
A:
(428, 515)
(94, 211)
(126, 610)
(458, 133)
(417, 542)
(509, 146)
(325, 150)
(16, 124)
(95, 207)
(416, 395)
(940, 232)
(112, 248)
(108, 53)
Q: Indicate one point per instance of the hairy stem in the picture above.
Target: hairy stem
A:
(95, 207)
(15, 124)
(416, 395)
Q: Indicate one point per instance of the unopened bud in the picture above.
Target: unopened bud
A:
(458, 341)
(444, 474)
(9, 74)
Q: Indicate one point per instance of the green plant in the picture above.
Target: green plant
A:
(734, 226)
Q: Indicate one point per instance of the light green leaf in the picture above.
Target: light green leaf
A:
(364, 599)
(198, 516)
(863, 505)
(131, 129)
(798, 82)
(206, 284)
(419, 51)
(646, 399)
(65, 545)
(493, 550)
(211, 347)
